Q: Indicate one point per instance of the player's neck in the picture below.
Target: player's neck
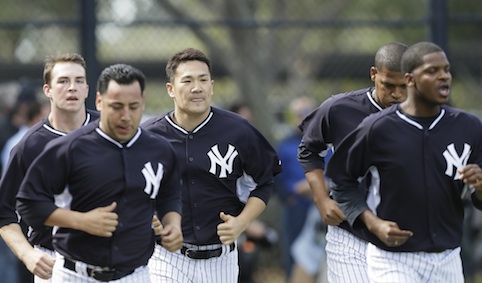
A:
(415, 109)
(65, 121)
(189, 121)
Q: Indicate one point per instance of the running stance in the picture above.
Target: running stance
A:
(228, 171)
(426, 157)
(100, 186)
(65, 85)
(325, 128)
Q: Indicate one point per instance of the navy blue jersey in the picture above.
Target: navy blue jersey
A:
(87, 169)
(328, 125)
(418, 184)
(223, 161)
(21, 157)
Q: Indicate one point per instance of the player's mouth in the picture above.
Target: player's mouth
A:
(444, 90)
(72, 98)
(197, 99)
(124, 129)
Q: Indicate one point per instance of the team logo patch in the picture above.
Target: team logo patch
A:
(153, 179)
(455, 161)
(225, 162)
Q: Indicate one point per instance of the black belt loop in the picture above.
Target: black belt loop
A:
(207, 254)
(104, 275)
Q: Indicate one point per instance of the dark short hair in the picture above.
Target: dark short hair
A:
(389, 56)
(122, 74)
(50, 62)
(413, 57)
(189, 54)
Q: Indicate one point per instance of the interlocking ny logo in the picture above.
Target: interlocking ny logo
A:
(454, 160)
(225, 162)
(153, 180)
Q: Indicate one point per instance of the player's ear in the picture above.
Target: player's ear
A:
(98, 101)
(409, 79)
(373, 73)
(170, 90)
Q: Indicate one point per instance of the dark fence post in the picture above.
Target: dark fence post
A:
(438, 18)
(88, 41)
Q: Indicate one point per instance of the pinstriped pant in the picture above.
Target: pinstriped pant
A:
(345, 257)
(61, 274)
(37, 279)
(414, 267)
(168, 267)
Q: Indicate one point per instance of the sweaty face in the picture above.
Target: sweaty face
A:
(121, 109)
(390, 86)
(192, 89)
(68, 87)
(432, 80)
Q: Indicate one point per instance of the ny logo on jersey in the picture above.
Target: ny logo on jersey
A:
(454, 160)
(153, 180)
(225, 162)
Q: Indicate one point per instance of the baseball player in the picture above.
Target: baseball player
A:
(227, 168)
(325, 128)
(66, 87)
(100, 185)
(423, 154)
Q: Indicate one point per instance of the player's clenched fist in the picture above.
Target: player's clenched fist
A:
(100, 221)
(330, 212)
(229, 230)
(169, 231)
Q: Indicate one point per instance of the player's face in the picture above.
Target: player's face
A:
(390, 86)
(192, 89)
(432, 80)
(68, 87)
(121, 109)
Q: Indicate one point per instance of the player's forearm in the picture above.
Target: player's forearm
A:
(65, 218)
(171, 218)
(370, 219)
(13, 236)
(317, 183)
(253, 208)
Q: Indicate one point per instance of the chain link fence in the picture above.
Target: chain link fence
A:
(264, 53)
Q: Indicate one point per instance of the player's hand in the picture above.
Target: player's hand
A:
(171, 237)
(39, 263)
(101, 221)
(472, 175)
(230, 229)
(156, 225)
(330, 212)
(390, 234)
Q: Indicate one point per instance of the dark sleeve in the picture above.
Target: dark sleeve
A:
(35, 213)
(9, 184)
(262, 163)
(316, 141)
(477, 159)
(263, 192)
(169, 198)
(45, 178)
(347, 164)
(309, 160)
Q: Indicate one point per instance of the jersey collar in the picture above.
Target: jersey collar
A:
(372, 100)
(418, 125)
(118, 144)
(179, 128)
